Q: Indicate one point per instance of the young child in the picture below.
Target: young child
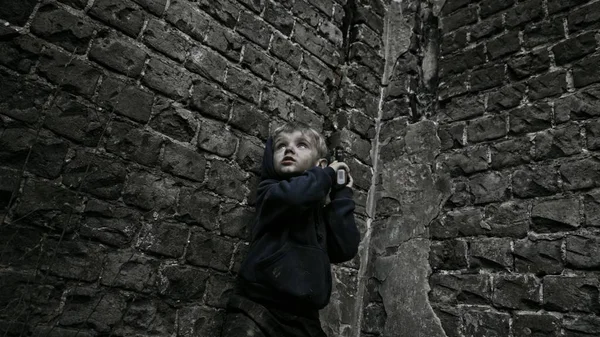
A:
(286, 277)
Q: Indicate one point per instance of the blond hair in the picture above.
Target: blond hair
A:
(315, 136)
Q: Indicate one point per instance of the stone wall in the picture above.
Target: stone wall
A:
(131, 134)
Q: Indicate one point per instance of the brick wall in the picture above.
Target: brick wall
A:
(131, 136)
(515, 250)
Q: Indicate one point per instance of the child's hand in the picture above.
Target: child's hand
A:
(337, 165)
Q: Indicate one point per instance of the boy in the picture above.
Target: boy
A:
(286, 277)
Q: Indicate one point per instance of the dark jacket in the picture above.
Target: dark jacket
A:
(296, 237)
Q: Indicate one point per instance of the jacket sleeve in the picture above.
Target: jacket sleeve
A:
(343, 237)
(296, 195)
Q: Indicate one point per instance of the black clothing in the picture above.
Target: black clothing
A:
(295, 238)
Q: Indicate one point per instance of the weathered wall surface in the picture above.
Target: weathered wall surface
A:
(515, 252)
(131, 135)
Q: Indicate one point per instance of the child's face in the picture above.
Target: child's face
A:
(294, 153)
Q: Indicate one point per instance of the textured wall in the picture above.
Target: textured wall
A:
(130, 139)
(515, 251)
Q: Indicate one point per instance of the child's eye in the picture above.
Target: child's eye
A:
(303, 145)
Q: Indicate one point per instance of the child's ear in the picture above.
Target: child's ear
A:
(322, 162)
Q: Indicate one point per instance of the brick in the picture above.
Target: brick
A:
(285, 50)
(197, 207)
(488, 77)
(188, 18)
(585, 73)
(452, 135)
(207, 63)
(244, 84)
(321, 48)
(167, 78)
(74, 75)
(452, 5)
(201, 321)
(183, 162)
(538, 33)
(79, 4)
(47, 151)
(503, 45)
(491, 253)
(326, 6)
(535, 181)
(156, 7)
(277, 15)
(463, 108)
(488, 27)
(226, 41)
(586, 17)
(182, 283)
(461, 61)
(226, 179)
(174, 121)
(255, 5)
(17, 13)
(76, 121)
(288, 80)
(455, 86)
(363, 54)
(591, 206)
(259, 63)
(453, 41)
(366, 16)
(133, 143)
(126, 99)
(559, 142)
(466, 161)
(47, 204)
(20, 53)
(119, 54)
(124, 15)
(9, 184)
(338, 14)
(391, 109)
(211, 100)
(460, 18)
(374, 318)
(130, 271)
(580, 173)
(524, 12)
(331, 32)
(556, 215)
(75, 260)
(536, 324)
(460, 222)
(216, 138)
(489, 7)
(224, 11)
(551, 84)
(569, 293)
(22, 100)
(110, 224)
(461, 194)
(95, 175)
(277, 103)
(559, 5)
(304, 11)
(486, 323)
(511, 152)
(209, 251)
(574, 48)
(166, 40)
(581, 326)
(505, 98)
(254, 29)
(539, 257)
(148, 191)
(592, 134)
(449, 319)
(451, 289)
(218, 289)
(309, 117)
(525, 65)
(581, 105)
(62, 28)
(530, 118)
(583, 251)
(509, 218)
(517, 292)
(486, 128)
(248, 118)
(448, 255)
(236, 221)
(163, 238)
(489, 187)
(316, 98)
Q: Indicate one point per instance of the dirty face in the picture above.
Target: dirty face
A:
(294, 153)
